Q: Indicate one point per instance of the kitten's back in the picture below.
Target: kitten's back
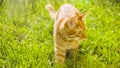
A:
(67, 11)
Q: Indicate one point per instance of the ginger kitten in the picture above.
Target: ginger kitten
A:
(69, 30)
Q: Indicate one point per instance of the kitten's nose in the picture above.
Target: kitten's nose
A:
(83, 36)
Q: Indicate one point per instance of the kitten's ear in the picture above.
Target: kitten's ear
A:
(83, 16)
(67, 22)
(71, 24)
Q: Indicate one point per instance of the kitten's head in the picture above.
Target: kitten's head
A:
(75, 27)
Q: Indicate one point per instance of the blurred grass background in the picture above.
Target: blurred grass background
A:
(26, 34)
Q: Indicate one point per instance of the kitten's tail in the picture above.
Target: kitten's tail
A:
(51, 11)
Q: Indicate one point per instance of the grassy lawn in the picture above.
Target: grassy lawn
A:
(26, 34)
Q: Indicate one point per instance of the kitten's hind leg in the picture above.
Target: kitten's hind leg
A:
(71, 53)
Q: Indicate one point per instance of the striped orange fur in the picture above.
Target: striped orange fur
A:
(69, 30)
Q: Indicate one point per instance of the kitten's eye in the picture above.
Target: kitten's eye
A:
(79, 32)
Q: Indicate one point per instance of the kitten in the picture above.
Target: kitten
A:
(69, 30)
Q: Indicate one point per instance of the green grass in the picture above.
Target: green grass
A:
(26, 34)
